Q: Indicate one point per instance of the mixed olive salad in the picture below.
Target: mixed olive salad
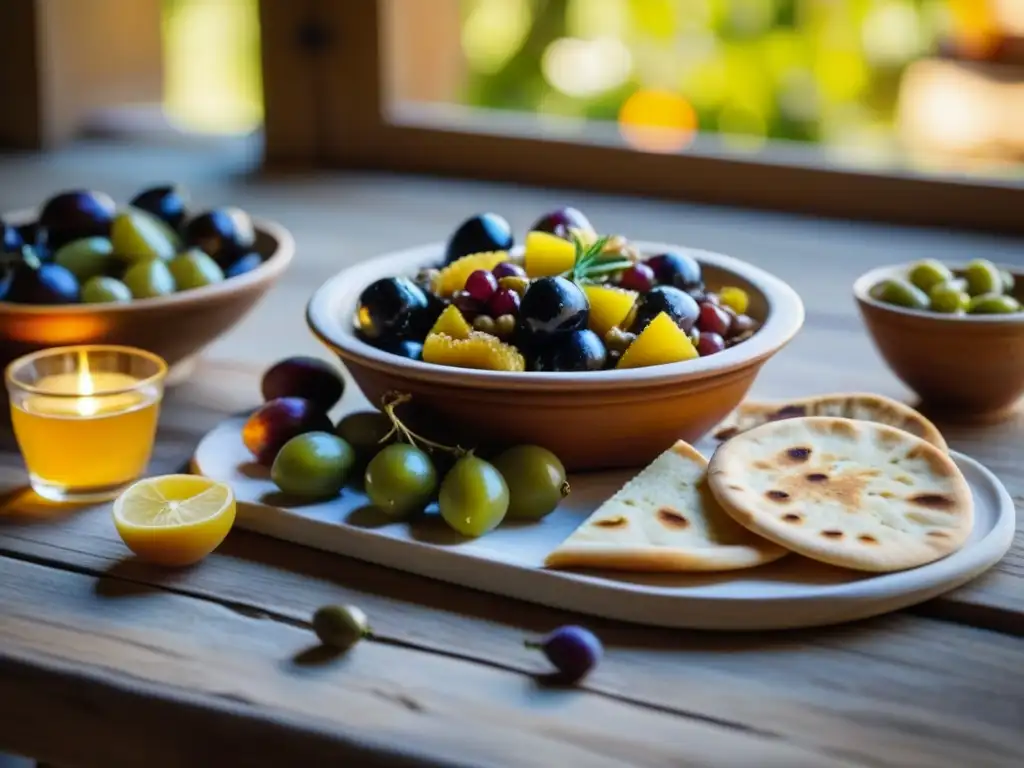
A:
(981, 288)
(574, 301)
(84, 248)
(401, 470)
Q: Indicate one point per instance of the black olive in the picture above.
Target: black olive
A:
(568, 352)
(11, 239)
(226, 234)
(393, 308)
(168, 203)
(407, 348)
(677, 269)
(29, 281)
(677, 304)
(479, 234)
(74, 215)
(551, 305)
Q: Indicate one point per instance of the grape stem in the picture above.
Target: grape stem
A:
(390, 404)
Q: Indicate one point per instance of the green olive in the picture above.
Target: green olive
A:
(194, 269)
(85, 258)
(105, 290)
(993, 304)
(983, 277)
(313, 465)
(949, 298)
(474, 496)
(340, 626)
(929, 273)
(365, 432)
(149, 279)
(1008, 281)
(400, 480)
(902, 293)
(536, 481)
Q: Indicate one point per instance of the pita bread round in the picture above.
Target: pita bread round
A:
(856, 494)
(664, 519)
(850, 405)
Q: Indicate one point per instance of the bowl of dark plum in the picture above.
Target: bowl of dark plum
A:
(602, 349)
(152, 273)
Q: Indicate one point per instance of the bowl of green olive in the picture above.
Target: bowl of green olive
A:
(953, 333)
(153, 272)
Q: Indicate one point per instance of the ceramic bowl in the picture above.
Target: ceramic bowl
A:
(966, 367)
(175, 327)
(592, 421)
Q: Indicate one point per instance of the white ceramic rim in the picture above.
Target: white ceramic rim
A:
(270, 268)
(863, 284)
(593, 594)
(784, 318)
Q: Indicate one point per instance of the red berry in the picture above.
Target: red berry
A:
(713, 319)
(503, 302)
(467, 305)
(742, 324)
(639, 277)
(508, 269)
(481, 285)
(710, 343)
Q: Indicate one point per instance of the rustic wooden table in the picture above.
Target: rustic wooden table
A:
(107, 662)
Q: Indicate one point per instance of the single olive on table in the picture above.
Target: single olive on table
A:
(84, 248)
(980, 288)
(571, 302)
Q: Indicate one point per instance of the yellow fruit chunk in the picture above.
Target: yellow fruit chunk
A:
(661, 342)
(174, 519)
(453, 277)
(452, 323)
(480, 350)
(608, 306)
(734, 298)
(546, 254)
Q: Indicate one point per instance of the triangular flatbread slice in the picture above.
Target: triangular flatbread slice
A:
(851, 493)
(861, 406)
(664, 519)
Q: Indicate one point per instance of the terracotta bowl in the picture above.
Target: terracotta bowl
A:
(592, 421)
(174, 327)
(966, 367)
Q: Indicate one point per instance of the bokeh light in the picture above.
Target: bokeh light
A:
(657, 121)
(586, 68)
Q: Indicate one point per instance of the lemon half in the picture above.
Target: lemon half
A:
(174, 520)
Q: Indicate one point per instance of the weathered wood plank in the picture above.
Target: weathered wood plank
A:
(249, 691)
(924, 675)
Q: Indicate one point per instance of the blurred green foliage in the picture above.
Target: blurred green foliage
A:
(805, 70)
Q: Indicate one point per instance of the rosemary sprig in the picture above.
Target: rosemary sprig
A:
(590, 261)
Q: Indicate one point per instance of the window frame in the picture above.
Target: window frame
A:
(341, 122)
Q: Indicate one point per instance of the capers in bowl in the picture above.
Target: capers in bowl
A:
(980, 288)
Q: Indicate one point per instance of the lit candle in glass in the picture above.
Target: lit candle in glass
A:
(85, 418)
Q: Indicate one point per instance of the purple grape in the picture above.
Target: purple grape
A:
(481, 285)
(639, 277)
(742, 324)
(714, 319)
(709, 343)
(572, 649)
(560, 223)
(467, 305)
(504, 302)
(508, 269)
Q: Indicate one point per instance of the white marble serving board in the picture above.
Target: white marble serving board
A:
(789, 593)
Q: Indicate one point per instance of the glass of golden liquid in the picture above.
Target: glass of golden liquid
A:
(85, 418)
